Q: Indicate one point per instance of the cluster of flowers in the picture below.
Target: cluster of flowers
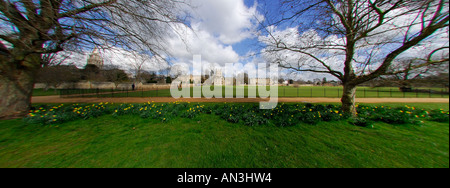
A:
(249, 114)
(402, 115)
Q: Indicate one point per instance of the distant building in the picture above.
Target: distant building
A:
(218, 78)
(259, 81)
(95, 59)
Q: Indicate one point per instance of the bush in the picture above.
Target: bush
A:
(310, 118)
(189, 114)
(330, 116)
(249, 114)
(361, 122)
(285, 121)
(439, 116)
(233, 119)
(255, 120)
(396, 117)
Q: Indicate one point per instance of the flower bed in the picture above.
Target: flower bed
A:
(248, 114)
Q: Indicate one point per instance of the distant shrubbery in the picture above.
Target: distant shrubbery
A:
(284, 115)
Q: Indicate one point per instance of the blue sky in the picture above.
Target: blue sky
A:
(226, 31)
(250, 44)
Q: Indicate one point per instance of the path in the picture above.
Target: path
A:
(58, 100)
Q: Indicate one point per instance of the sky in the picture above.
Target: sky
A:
(222, 31)
(226, 31)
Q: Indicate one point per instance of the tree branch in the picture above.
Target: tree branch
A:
(85, 9)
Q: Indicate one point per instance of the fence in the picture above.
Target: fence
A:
(300, 92)
(336, 92)
(113, 93)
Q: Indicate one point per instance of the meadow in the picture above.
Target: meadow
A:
(283, 91)
(227, 136)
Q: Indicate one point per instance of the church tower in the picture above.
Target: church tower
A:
(95, 59)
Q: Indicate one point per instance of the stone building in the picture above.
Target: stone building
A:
(95, 59)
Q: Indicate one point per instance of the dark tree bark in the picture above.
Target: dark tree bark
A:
(348, 99)
(16, 87)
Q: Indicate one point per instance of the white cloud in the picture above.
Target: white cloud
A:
(215, 26)
(132, 61)
(199, 42)
(231, 20)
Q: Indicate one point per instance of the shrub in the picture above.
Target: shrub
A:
(285, 121)
(361, 122)
(330, 116)
(310, 118)
(233, 119)
(249, 114)
(189, 114)
(439, 116)
(254, 120)
(396, 117)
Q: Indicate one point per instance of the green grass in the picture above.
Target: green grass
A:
(284, 91)
(209, 141)
(42, 92)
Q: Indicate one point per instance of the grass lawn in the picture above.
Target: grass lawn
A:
(284, 91)
(42, 92)
(209, 141)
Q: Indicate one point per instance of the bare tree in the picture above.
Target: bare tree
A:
(356, 40)
(31, 28)
(404, 74)
(54, 76)
(54, 59)
(115, 75)
(140, 63)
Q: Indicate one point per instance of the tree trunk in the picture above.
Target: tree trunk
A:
(348, 100)
(15, 94)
